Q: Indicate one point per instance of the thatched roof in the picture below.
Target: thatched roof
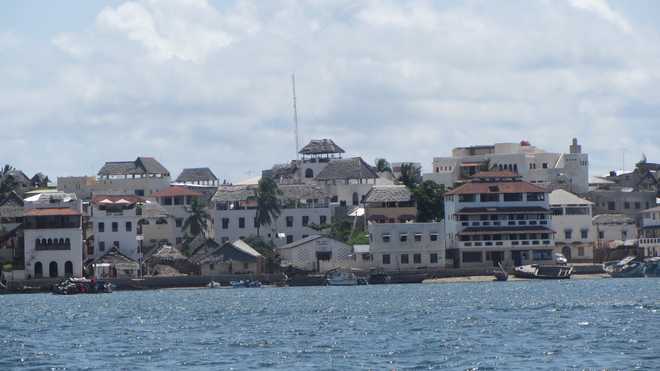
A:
(199, 174)
(350, 168)
(320, 146)
(389, 193)
(141, 166)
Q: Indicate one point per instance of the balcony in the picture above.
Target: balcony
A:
(499, 223)
(649, 242)
(505, 243)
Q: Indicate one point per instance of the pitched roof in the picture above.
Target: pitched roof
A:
(302, 192)
(141, 165)
(176, 191)
(652, 210)
(301, 241)
(244, 247)
(496, 187)
(60, 211)
(320, 146)
(114, 256)
(562, 197)
(388, 193)
(19, 177)
(234, 193)
(237, 250)
(116, 199)
(12, 198)
(196, 175)
(166, 252)
(612, 219)
(350, 168)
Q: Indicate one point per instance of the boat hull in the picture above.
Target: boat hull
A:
(544, 272)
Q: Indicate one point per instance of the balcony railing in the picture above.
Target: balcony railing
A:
(503, 223)
(505, 243)
(644, 242)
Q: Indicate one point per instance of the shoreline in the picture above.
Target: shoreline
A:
(484, 278)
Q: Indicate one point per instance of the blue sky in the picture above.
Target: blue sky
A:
(207, 83)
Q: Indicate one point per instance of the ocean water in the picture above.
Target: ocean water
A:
(564, 325)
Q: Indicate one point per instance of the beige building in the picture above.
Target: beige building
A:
(572, 223)
(390, 204)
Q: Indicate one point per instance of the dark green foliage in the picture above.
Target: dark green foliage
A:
(268, 205)
(430, 201)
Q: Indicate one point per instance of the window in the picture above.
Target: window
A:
(289, 221)
(580, 250)
(178, 222)
(178, 200)
(568, 234)
(356, 199)
(467, 198)
(246, 265)
(305, 220)
(626, 205)
(309, 173)
(101, 245)
(638, 205)
(577, 211)
(101, 227)
(472, 257)
(386, 258)
(489, 197)
(584, 234)
(289, 238)
(433, 258)
(225, 223)
(167, 201)
(536, 196)
(115, 226)
(544, 165)
(403, 237)
(115, 244)
(512, 197)
(418, 237)
(129, 226)
(305, 235)
(601, 235)
(139, 192)
(386, 238)
(611, 205)
(404, 258)
(417, 258)
(322, 219)
(224, 240)
(241, 222)
(434, 236)
(179, 240)
(542, 254)
(557, 211)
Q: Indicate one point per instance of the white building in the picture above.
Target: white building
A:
(614, 229)
(141, 177)
(649, 235)
(569, 171)
(177, 201)
(53, 235)
(114, 221)
(316, 253)
(407, 246)
(572, 223)
(349, 180)
(497, 217)
(301, 205)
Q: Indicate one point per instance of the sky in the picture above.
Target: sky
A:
(208, 83)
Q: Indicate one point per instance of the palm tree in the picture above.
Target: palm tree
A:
(268, 206)
(198, 220)
(382, 165)
(7, 181)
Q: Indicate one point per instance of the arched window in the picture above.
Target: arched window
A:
(38, 270)
(52, 269)
(50, 241)
(356, 199)
(67, 241)
(68, 269)
(43, 242)
(37, 243)
(309, 173)
(61, 242)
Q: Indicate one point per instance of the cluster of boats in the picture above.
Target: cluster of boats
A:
(633, 266)
(74, 285)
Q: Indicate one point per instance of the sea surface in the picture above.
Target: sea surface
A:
(564, 325)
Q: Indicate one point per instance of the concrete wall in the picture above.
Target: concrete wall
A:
(128, 245)
(576, 224)
(395, 248)
(304, 256)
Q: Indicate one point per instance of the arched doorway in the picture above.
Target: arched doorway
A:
(309, 173)
(68, 269)
(566, 250)
(38, 270)
(52, 269)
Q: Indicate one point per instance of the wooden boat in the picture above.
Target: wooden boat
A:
(629, 267)
(652, 267)
(73, 285)
(537, 271)
(501, 274)
(341, 278)
(213, 285)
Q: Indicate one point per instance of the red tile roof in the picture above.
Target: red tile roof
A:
(65, 211)
(502, 187)
(132, 199)
(176, 191)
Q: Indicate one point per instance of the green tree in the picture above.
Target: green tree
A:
(198, 221)
(382, 165)
(409, 175)
(268, 205)
(429, 197)
(7, 181)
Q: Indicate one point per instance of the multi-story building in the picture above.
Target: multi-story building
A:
(315, 157)
(649, 234)
(141, 177)
(11, 232)
(572, 223)
(349, 180)
(407, 246)
(569, 171)
(53, 235)
(390, 204)
(114, 221)
(177, 201)
(497, 217)
(301, 205)
(316, 253)
(613, 227)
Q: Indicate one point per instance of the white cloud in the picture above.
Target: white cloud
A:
(602, 9)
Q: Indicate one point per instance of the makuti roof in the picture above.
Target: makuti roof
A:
(320, 146)
(141, 166)
(389, 193)
(350, 168)
(198, 174)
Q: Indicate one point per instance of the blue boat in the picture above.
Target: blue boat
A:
(629, 267)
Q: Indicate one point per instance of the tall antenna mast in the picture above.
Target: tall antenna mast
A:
(295, 115)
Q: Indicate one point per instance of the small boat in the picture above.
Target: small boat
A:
(245, 284)
(341, 278)
(73, 285)
(652, 267)
(538, 271)
(628, 267)
(501, 274)
(213, 285)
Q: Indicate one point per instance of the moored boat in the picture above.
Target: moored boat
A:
(629, 267)
(73, 285)
(537, 271)
(245, 283)
(652, 267)
(501, 274)
(339, 277)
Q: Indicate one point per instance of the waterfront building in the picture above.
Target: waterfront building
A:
(569, 171)
(349, 180)
(316, 253)
(115, 224)
(198, 176)
(315, 157)
(610, 228)
(625, 193)
(573, 227)
(236, 257)
(649, 232)
(177, 201)
(302, 206)
(406, 246)
(390, 204)
(114, 264)
(11, 231)
(141, 177)
(53, 235)
(498, 217)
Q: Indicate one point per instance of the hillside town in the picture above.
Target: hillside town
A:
(501, 205)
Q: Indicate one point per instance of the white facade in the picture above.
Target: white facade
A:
(407, 246)
(649, 236)
(316, 254)
(568, 171)
(53, 236)
(572, 223)
(176, 202)
(115, 224)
